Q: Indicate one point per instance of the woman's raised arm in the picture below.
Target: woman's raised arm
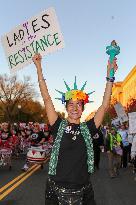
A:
(107, 96)
(50, 110)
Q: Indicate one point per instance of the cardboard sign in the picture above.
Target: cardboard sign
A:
(132, 122)
(121, 112)
(116, 122)
(41, 34)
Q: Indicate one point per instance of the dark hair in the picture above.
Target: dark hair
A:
(67, 101)
(114, 129)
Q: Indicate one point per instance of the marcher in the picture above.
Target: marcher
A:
(36, 138)
(114, 151)
(72, 157)
(126, 147)
(6, 145)
(130, 140)
(5, 135)
(133, 154)
(98, 145)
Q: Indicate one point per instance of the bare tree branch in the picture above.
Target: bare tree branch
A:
(13, 91)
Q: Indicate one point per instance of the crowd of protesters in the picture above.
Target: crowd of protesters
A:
(116, 142)
(16, 139)
(120, 147)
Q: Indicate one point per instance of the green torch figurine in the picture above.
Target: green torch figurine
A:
(112, 51)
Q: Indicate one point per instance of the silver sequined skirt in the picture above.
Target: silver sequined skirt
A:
(57, 195)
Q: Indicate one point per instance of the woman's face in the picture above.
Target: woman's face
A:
(36, 127)
(122, 127)
(28, 132)
(74, 109)
(5, 126)
(113, 132)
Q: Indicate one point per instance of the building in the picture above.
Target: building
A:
(90, 116)
(125, 90)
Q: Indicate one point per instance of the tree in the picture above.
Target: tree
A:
(12, 93)
(111, 113)
(131, 105)
(34, 111)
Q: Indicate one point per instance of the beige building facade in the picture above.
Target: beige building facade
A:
(125, 90)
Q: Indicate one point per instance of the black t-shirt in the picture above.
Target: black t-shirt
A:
(72, 169)
(36, 137)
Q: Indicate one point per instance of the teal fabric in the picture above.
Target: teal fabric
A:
(55, 150)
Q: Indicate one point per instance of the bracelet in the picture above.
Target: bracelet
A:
(110, 79)
(41, 80)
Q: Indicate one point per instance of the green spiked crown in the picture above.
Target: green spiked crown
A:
(74, 93)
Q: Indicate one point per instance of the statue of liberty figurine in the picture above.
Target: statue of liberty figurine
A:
(112, 51)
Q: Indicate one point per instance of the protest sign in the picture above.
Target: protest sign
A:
(40, 34)
(116, 122)
(132, 122)
(121, 112)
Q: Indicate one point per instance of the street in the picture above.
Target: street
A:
(29, 187)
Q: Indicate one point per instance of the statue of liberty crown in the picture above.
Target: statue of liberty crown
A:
(74, 93)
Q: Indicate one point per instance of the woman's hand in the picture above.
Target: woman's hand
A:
(37, 60)
(112, 65)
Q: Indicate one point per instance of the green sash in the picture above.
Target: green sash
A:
(55, 150)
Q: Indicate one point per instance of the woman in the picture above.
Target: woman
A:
(126, 147)
(5, 136)
(114, 151)
(133, 154)
(98, 146)
(36, 139)
(72, 159)
(6, 145)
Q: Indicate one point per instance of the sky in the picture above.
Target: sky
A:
(88, 26)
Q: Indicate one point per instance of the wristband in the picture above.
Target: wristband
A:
(110, 79)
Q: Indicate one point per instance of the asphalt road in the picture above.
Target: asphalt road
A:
(30, 191)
